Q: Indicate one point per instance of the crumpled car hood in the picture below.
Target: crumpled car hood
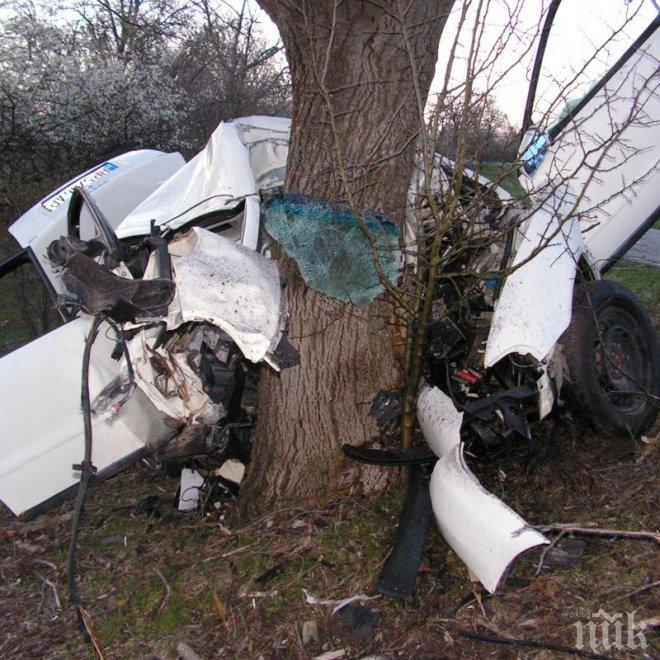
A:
(229, 286)
(241, 158)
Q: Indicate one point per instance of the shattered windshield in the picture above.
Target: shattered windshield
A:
(333, 251)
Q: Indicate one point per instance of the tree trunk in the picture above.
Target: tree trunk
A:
(355, 51)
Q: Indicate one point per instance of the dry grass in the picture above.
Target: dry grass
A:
(152, 578)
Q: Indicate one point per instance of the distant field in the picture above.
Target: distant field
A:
(643, 280)
(503, 174)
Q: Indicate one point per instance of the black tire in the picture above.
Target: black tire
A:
(612, 355)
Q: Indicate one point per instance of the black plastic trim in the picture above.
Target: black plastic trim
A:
(42, 274)
(14, 262)
(399, 573)
(391, 457)
(644, 227)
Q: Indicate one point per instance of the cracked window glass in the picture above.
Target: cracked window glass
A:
(332, 250)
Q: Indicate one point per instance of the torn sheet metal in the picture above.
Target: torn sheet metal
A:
(267, 142)
(331, 248)
(228, 286)
(170, 378)
(228, 170)
(534, 306)
(483, 531)
(220, 286)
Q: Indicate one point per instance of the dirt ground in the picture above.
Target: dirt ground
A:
(152, 578)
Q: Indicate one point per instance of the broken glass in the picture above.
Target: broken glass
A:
(331, 248)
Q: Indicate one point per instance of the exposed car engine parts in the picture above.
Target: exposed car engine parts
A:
(173, 262)
(189, 357)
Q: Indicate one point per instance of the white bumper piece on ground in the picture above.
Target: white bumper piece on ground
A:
(483, 531)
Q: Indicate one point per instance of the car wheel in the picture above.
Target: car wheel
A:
(611, 351)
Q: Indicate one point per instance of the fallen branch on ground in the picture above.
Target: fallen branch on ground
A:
(571, 528)
(640, 590)
(86, 618)
(532, 643)
(548, 548)
(56, 596)
(168, 591)
(42, 524)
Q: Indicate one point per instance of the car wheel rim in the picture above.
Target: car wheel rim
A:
(622, 360)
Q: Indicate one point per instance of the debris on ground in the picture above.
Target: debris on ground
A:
(582, 479)
(270, 574)
(360, 620)
(565, 553)
(310, 632)
(191, 486)
(331, 655)
(338, 604)
(185, 652)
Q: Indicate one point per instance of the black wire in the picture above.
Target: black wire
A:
(86, 467)
(532, 643)
(87, 470)
(66, 301)
(121, 339)
(196, 204)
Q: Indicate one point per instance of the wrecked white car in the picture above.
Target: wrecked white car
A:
(193, 312)
(554, 330)
(170, 255)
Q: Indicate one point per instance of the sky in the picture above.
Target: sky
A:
(579, 28)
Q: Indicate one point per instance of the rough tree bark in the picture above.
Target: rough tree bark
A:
(353, 49)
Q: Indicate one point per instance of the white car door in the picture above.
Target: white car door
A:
(604, 137)
(40, 382)
(43, 435)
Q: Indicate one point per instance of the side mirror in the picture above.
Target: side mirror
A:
(533, 148)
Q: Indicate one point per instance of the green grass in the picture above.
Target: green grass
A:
(643, 280)
(503, 174)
